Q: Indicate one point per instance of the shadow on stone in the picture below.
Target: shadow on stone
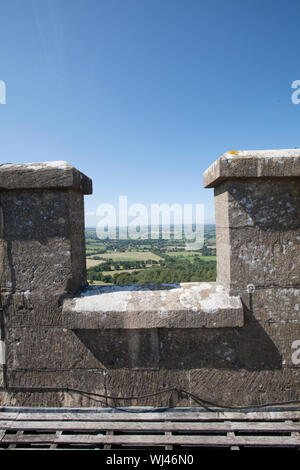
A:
(248, 347)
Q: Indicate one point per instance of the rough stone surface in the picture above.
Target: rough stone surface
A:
(245, 388)
(48, 348)
(34, 309)
(258, 233)
(126, 383)
(42, 244)
(87, 380)
(221, 387)
(280, 305)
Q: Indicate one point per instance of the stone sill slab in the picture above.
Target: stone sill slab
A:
(253, 164)
(186, 305)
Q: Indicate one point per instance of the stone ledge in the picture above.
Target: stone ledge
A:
(45, 175)
(186, 305)
(253, 164)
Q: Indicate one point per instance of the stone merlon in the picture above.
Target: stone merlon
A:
(42, 227)
(257, 211)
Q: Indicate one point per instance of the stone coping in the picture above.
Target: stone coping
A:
(186, 305)
(45, 175)
(253, 164)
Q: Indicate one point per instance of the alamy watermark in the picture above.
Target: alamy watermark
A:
(175, 221)
(296, 94)
(296, 353)
(2, 92)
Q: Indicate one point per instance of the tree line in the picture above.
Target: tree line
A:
(170, 270)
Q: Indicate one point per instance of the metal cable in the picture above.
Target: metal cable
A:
(94, 396)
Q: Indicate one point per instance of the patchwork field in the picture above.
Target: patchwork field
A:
(92, 262)
(145, 261)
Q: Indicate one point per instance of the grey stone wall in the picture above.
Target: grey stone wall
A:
(53, 346)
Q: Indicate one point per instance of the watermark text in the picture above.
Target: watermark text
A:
(166, 221)
(2, 92)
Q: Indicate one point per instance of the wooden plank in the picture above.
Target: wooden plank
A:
(30, 438)
(168, 446)
(7, 415)
(232, 435)
(54, 444)
(13, 446)
(108, 446)
(171, 439)
(169, 416)
(164, 426)
(163, 439)
(167, 425)
(293, 433)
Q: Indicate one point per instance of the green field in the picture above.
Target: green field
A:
(92, 262)
(149, 260)
(131, 256)
(111, 273)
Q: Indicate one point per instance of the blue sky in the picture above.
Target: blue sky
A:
(143, 95)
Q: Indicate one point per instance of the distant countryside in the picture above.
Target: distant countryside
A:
(143, 261)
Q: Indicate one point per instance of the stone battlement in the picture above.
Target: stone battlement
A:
(230, 342)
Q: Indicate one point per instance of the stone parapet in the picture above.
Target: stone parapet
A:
(230, 342)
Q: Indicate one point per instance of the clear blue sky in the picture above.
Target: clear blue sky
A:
(143, 95)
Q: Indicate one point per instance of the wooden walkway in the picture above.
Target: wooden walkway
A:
(97, 429)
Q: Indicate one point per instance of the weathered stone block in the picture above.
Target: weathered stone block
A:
(270, 204)
(128, 383)
(245, 388)
(49, 348)
(277, 305)
(261, 258)
(122, 348)
(79, 379)
(32, 309)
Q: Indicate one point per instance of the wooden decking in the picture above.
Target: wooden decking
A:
(110, 429)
